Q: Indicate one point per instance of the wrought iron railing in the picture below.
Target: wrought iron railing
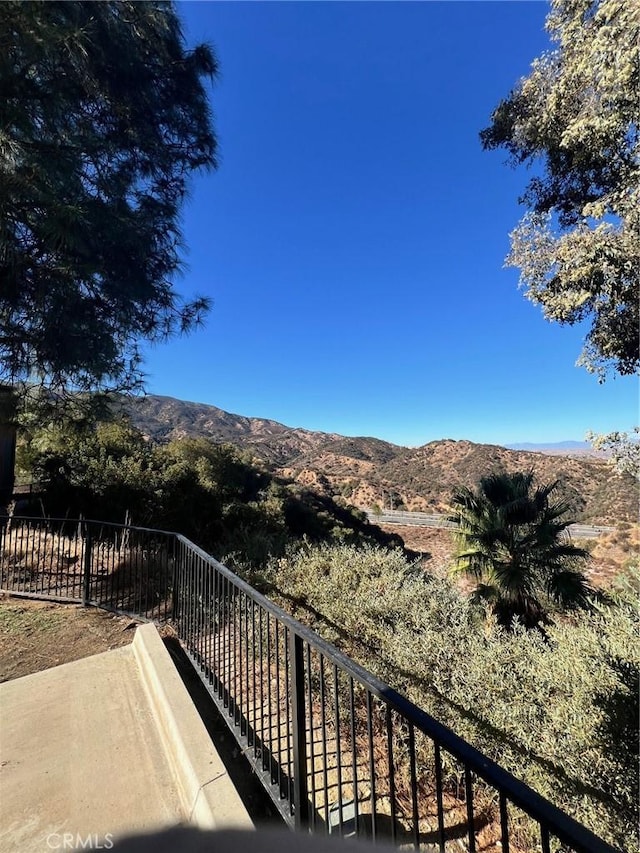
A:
(113, 566)
(336, 749)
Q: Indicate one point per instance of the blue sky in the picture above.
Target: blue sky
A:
(353, 238)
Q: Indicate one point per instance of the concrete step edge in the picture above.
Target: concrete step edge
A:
(209, 796)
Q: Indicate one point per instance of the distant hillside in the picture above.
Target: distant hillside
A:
(367, 471)
(423, 478)
(555, 446)
(165, 419)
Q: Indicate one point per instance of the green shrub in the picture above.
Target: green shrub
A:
(559, 710)
(212, 493)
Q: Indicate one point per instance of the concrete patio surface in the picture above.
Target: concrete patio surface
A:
(105, 747)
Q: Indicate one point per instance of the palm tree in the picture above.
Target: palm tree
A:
(513, 539)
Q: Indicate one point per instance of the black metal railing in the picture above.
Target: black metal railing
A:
(337, 750)
(113, 566)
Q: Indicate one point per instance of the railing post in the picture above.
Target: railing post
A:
(178, 551)
(86, 575)
(296, 676)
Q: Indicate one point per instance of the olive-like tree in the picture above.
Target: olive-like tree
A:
(576, 117)
(514, 540)
(104, 115)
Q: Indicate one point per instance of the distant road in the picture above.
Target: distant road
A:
(425, 519)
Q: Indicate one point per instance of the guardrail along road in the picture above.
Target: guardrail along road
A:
(425, 519)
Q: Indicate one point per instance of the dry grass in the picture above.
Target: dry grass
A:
(125, 574)
(37, 635)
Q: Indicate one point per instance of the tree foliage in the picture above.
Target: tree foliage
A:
(103, 118)
(514, 542)
(213, 493)
(578, 115)
(623, 450)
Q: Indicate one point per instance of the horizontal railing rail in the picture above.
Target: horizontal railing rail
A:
(337, 749)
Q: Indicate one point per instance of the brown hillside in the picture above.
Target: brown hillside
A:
(166, 419)
(613, 555)
(367, 471)
(593, 490)
(422, 479)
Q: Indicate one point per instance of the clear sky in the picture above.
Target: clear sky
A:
(353, 238)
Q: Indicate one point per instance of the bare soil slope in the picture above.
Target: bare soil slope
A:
(612, 554)
(423, 478)
(36, 635)
(366, 471)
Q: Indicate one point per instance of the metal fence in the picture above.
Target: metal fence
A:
(337, 750)
(113, 566)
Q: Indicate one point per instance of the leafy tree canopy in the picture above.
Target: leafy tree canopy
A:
(623, 449)
(212, 493)
(577, 114)
(103, 117)
(513, 540)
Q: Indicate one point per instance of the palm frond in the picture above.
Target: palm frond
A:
(515, 542)
(570, 589)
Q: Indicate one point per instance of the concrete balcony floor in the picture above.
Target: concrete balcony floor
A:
(107, 746)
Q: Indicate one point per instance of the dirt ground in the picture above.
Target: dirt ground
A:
(611, 554)
(36, 635)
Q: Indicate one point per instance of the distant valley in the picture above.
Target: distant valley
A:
(369, 472)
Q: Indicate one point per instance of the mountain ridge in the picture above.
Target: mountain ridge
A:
(155, 400)
(366, 471)
(569, 444)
